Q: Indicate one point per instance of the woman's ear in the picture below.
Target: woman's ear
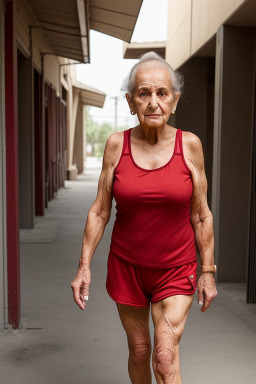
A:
(177, 98)
(129, 100)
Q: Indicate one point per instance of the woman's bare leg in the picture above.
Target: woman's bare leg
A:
(169, 317)
(135, 321)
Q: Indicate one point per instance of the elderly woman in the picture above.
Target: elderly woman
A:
(156, 174)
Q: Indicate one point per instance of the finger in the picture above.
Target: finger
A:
(200, 297)
(83, 298)
(79, 302)
(77, 299)
(206, 305)
(85, 290)
(84, 293)
(209, 297)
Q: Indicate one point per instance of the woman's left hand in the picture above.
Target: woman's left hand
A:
(206, 289)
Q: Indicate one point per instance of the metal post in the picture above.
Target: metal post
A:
(116, 98)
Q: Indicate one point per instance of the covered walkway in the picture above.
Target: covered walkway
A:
(59, 343)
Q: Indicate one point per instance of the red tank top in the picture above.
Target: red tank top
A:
(152, 226)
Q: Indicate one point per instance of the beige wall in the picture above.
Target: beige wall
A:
(191, 23)
(178, 33)
(207, 16)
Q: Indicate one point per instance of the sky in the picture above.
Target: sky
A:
(108, 69)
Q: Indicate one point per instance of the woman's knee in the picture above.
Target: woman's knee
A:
(139, 344)
(166, 352)
(165, 361)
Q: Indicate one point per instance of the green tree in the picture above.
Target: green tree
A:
(91, 129)
(105, 130)
(97, 134)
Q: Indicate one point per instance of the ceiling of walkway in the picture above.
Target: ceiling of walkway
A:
(66, 23)
(114, 17)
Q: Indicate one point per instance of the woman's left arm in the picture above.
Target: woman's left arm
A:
(201, 218)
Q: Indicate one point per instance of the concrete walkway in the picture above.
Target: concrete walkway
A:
(60, 344)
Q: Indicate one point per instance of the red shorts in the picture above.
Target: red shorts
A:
(130, 284)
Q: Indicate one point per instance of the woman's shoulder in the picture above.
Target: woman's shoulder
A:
(115, 140)
(191, 141)
(192, 150)
(114, 145)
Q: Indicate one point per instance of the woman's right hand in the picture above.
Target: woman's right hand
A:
(80, 286)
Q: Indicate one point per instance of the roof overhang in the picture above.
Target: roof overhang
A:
(244, 16)
(135, 50)
(208, 49)
(90, 96)
(114, 17)
(65, 25)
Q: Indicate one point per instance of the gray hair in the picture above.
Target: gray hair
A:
(177, 79)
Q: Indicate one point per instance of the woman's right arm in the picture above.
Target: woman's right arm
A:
(97, 219)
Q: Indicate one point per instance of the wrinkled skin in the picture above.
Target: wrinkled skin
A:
(206, 290)
(153, 101)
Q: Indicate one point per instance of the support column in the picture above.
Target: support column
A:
(78, 156)
(2, 177)
(38, 153)
(26, 143)
(12, 173)
(232, 150)
(195, 108)
(73, 100)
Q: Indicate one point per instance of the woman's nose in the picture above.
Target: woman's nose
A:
(153, 101)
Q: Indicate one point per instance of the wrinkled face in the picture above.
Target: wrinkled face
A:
(152, 98)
